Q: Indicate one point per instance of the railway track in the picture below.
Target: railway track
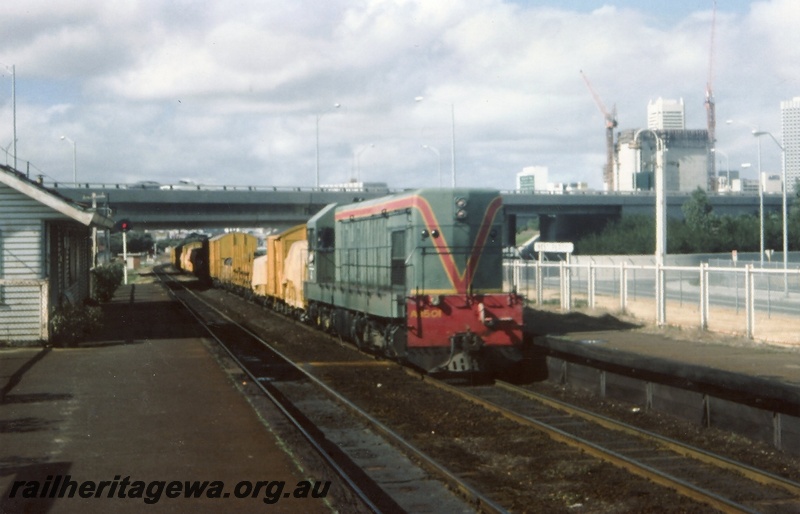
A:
(383, 470)
(717, 481)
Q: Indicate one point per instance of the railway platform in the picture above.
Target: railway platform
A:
(141, 416)
(727, 382)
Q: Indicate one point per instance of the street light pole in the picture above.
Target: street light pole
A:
(438, 158)
(319, 117)
(357, 162)
(755, 129)
(758, 134)
(760, 206)
(74, 159)
(661, 222)
(452, 140)
(14, 108)
(727, 162)
(13, 70)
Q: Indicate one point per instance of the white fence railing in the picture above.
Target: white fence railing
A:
(743, 294)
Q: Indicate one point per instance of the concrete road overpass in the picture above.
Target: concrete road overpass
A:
(560, 215)
(152, 209)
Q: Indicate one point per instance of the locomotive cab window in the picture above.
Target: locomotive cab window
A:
(326, 238)
(399, 258)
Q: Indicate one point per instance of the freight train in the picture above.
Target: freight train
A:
(415, 276)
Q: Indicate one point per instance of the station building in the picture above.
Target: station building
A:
(45, 255)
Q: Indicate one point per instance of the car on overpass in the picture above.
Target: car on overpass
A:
(145, 184)
(184, 184)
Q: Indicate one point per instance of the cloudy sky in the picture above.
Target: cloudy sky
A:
(232, 92)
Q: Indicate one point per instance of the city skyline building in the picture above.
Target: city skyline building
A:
(684, 156)
(790, 124)
(666, 114)
(532, 178)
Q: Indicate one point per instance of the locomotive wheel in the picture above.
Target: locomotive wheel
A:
(326, 322)
(313, 315)
(395, 346)
(359, 331)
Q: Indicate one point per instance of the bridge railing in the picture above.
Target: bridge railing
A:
(749, 300)
(206, 187)
(510, 193)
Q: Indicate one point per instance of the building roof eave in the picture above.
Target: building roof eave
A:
(46, 197)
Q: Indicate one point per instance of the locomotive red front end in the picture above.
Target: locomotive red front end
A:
(419, 277)
(476, 330)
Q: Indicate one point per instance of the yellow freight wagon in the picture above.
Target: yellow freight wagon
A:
(187, 264)
(231, 259)
(286, 266)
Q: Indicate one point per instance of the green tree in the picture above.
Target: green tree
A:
(631, 235)
(697, 211)
(699, 222)
(137, 242)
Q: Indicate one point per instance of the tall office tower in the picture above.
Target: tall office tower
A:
(665, 115)
(790, 121)
(532, 179)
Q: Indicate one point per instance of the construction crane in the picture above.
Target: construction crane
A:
(610, 119)
(711, 116)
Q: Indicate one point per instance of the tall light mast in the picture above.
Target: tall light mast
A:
(711, 116)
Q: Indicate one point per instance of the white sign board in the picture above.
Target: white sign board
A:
(553, 247)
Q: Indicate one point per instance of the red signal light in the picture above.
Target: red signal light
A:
(123, 225)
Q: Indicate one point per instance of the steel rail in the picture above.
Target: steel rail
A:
(637, 468)
(479, 501)
(686, 450)
(318, 447)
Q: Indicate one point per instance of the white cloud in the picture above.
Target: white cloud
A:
(229, 92)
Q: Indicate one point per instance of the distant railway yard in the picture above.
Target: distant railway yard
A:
(411, 442)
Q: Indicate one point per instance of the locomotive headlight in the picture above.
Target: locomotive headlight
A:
(461, 208)
(435, 300)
